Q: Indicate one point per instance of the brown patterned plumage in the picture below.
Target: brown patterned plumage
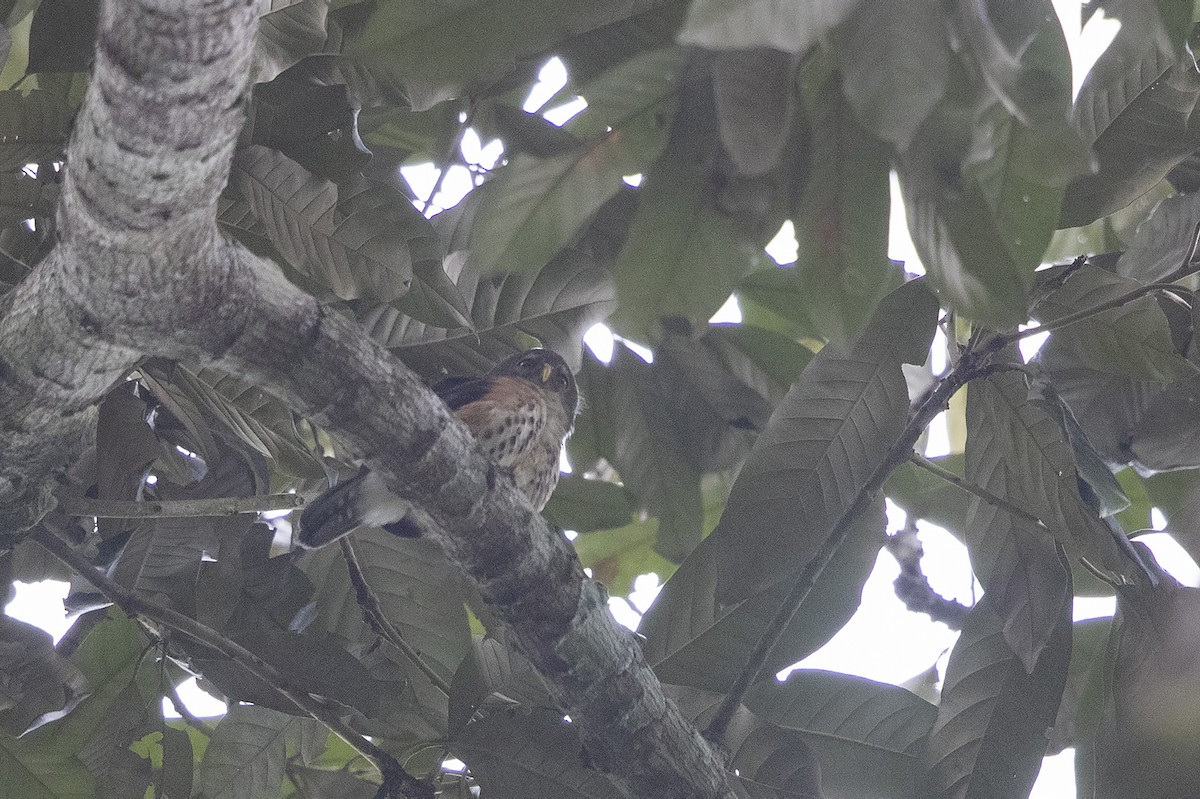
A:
(520, 413)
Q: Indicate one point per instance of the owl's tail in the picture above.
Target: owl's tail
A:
(361, 500)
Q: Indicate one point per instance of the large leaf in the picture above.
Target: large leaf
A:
(585, 505)
(33, 128)
(894, 58)
(248, 751)
(535, 755)
(729, 24)
(287, 32)
(22, 197)
(533, 207)
(1167, 434)
(39, 684)
(1132, 340)
(1043, 478)
(924, 495)
(355, 240)
(754, 100)
(990, 733)
(1136, 108)
(868, 737)
(413, 583)
(554, 307)
(821, 446)
(841, 222)
(1162, 241)
(682, 257)
(1016, 560)
(435, 51)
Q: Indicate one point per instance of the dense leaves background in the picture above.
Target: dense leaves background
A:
(737, 457)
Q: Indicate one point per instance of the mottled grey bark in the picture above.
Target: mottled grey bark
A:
(141, 269)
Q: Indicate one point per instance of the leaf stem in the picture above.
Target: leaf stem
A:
(1002, 340)
(379, 622)
(177, 508)
(978, 491)
(400, 781)
(936, 401)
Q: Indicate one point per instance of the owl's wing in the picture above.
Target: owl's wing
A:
(459, 391)
(361, 500)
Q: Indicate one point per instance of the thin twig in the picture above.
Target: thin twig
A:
(978, 491)
(1002, 340)
(451, 152)
(188, 716)
(379, 622)
(133, 604)
(936, 401)
(177, 508)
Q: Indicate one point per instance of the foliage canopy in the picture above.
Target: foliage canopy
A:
(747, 461)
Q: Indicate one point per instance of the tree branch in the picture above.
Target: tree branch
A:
(134, 605)
(971, 488)
(912, 586)
(221, 506)
(378, 621)
(140, 268)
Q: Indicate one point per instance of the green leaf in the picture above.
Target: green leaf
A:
(821, 446)
(1136, 109)
(33, 128)
(414, 585)
(767, 760)
(1157, 252)
(354, 240)
(989, 737)
(39, 684)
(22, 197)
(841, 222)
(618, 557)
(535, 755)
(762, 359)
(287, 32)
(1132, 340)
(247, 753)
(682, 257)
(584, 505)
(924, 495)
(1016, 560)
(754, 102)
(494, 669)
(895, 59)
(1084, 693)
(437, 51)
(792, 28)
(1166, 436)
(534, 206)
(868, 737)
(62, 37)
(1042, 477)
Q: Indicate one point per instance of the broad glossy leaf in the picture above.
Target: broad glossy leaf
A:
(694, 640)
(1132, 340)
(535, 755)
(868, 737)
(618, 557)
(989, 737)
(1147, 744)
(355, 241)
(554, 307)
(534, 206)
(841, 222)
(821, 446)
(1167, 435)
(1042, 478)
(762, 359)
(414, 584)
(39, 684)
(247, 754)
(62, 36)
(1084, 694)
(1017, 561)
(33, 128)
(493, 669)
(1136, 108)
(1162, 241)
(894, 58)
(682, 257)
(769, 761)
(437, 51)
(584, 505)
(728, 24)
(287, 33)
(754, 99)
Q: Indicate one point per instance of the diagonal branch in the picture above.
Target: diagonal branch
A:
(177, 508)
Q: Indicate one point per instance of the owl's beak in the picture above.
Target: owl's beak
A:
(547, 370)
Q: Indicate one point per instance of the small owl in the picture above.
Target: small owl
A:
(520, 413)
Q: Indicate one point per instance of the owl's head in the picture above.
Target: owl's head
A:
(547, 370)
